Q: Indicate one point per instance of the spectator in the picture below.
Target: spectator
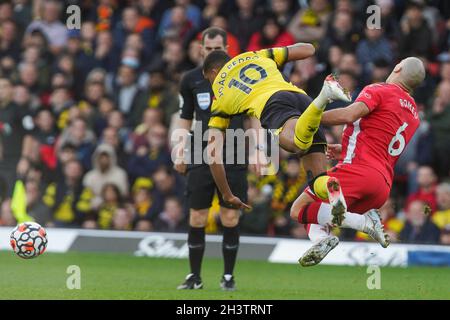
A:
(105, 170)
(83, 58)
(111, 200)
(126, 92)
(283, 10)
(310, 24)
(151, 154)
(439, 121)
(166, 184)
(133, 22)
(116, 121)
(388, 19)
(245, 22)
(426, 188)
(66, 198)
(104, 54)
(28, 76)
(212, 9)
(416, 38)
(54, 30)
(233, 43)
(380, 71)
(418, 226)
(172, 218)
(159, 95)
(173, 60)
(180, 19)
(445, 235)
(43, 140)
(272, 35)
(342, 32)
(105, 107)
(82, 138)
(256, 221)
(11, 137)
(152, 9)
(374, 47)
(123, 218)
(9, 46)
(442, 217)
(110, 136)
(35, 206)
(143, 204)
(150, 118)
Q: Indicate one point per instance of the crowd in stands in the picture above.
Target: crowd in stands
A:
(86, 114)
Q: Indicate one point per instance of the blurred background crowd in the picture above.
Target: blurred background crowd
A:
(85, 115)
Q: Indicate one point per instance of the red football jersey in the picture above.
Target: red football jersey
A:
(378, 139)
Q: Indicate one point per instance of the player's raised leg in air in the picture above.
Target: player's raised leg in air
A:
(297, 136)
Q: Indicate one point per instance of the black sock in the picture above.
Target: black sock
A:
(230, 246)
(196, 243)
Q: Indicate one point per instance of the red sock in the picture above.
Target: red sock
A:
(308, 214)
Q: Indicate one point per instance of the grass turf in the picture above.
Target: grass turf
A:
(118, 276)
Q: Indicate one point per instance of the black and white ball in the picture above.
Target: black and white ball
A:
(29, 240)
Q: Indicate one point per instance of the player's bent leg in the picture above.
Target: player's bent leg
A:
(230, 246)
(196, 244)
(286, 137)
(321, 213)
(308, 123)
(301, 202)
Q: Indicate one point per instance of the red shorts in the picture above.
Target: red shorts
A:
(364, 188)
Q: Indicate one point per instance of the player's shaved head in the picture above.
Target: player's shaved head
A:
(409, 73)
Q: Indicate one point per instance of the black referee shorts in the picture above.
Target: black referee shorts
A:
(284, 105)
(201, 186)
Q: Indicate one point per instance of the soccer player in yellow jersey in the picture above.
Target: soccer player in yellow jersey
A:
(252, 84)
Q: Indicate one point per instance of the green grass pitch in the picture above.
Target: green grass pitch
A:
(119, 276)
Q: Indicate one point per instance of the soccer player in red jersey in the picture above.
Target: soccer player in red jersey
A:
(379, 125)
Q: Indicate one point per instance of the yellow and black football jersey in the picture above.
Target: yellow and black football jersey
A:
(246, 82)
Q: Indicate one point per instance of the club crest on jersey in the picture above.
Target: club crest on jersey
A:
(203, 100)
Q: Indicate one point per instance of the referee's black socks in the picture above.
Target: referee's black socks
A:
(230, 246)
(196, 243)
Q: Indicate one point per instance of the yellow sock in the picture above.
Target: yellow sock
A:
(320, 187)
(307, 126)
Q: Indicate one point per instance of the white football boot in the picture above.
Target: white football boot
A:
(374, 228)
(318, 251)
(333, 91)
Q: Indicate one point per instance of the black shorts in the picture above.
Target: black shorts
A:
(284, 105)
(201, 186)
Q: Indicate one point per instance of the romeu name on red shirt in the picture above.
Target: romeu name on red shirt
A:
(378, 139)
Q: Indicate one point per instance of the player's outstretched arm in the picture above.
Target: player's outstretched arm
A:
(215, 147)
(300, 51)
(345, 115)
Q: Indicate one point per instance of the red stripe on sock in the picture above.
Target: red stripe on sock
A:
(309, 213)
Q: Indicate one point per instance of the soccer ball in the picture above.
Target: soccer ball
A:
(29, 240)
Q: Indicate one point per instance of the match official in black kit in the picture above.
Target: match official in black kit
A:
(196, 99)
